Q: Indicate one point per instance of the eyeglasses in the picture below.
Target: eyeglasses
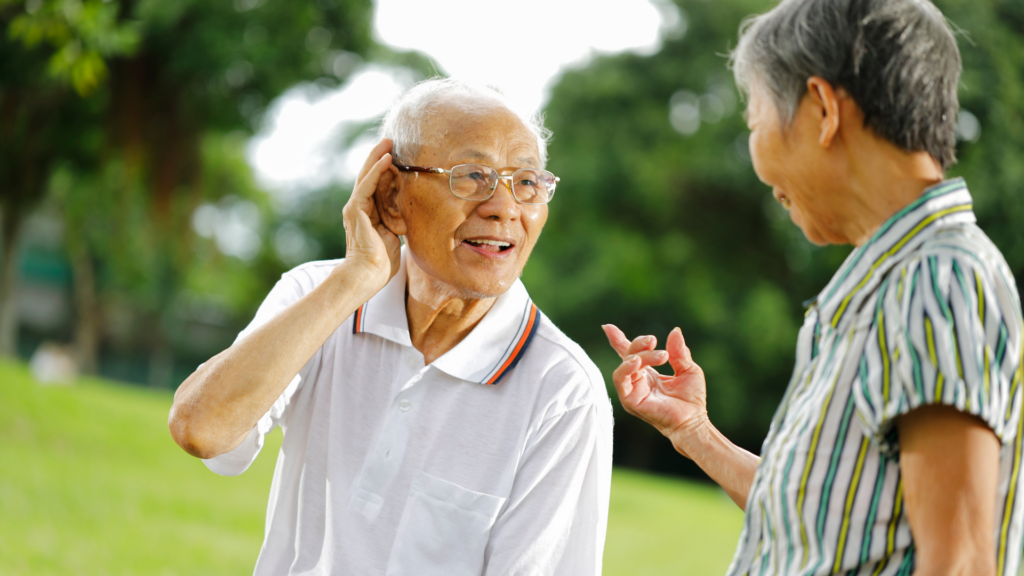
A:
(477, 182)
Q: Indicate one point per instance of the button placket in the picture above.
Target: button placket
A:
(385, 459)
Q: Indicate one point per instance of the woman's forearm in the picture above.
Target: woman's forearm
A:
(727, 464)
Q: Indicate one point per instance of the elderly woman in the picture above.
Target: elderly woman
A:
(897, 446)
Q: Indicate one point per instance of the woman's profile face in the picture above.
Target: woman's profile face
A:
(796, 166)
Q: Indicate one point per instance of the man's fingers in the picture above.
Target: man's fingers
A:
(364, 190)
(617, 339)
(382, 147)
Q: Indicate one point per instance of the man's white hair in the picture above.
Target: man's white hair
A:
(404, 119)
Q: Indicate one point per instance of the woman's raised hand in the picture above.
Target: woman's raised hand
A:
(368, 242)
(676, 405)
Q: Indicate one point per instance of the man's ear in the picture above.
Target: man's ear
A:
(387, 200)
(825, 100)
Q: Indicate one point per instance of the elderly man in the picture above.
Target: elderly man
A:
(435, 422)
(897, 447)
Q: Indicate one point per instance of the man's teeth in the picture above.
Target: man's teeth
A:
(498, 245)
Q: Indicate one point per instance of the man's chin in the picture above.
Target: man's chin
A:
(485, 283)
(483, 291)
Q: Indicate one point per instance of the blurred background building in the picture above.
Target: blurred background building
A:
(162, 163)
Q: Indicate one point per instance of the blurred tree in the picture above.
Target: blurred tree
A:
(660, 220)
(991, 121)
(47, 51)
(175, 72)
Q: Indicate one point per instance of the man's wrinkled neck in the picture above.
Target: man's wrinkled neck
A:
(439, 316)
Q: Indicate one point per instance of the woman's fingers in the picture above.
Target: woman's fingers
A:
(623, 377)
(623, 346)
(617, 339)
(641, 343)
(652, 357)
(678, 354)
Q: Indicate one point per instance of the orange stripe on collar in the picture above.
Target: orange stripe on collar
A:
(517, 353)
(357, 323)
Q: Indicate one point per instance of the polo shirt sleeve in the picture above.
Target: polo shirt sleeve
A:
(946, 330)
(284, 294)
(557, 513)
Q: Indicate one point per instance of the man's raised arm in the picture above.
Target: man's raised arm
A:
(221, 402)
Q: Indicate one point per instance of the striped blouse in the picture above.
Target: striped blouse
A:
(925, 312)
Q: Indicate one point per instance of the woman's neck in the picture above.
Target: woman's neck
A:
(883, 180)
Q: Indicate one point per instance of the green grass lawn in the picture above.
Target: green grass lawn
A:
(91, 483)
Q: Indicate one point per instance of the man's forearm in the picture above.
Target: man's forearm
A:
(217, 406)
(727, 464)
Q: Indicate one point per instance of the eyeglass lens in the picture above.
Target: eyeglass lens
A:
(476, 182)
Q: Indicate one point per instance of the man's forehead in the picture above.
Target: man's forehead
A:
(476, 155)
(480, 130)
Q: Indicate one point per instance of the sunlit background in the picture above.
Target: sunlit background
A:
(521, 51)
(162, 163)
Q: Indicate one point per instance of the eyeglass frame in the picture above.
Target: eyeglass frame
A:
(510, 185)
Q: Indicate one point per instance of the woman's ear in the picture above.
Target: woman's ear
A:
(825, 99)
(388, 202)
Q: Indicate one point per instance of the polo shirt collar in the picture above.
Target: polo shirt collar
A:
(485, 356)
(941, 206)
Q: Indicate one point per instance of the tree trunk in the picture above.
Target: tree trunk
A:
(87, 310)
(11, 219)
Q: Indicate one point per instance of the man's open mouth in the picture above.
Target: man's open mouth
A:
(490, 245)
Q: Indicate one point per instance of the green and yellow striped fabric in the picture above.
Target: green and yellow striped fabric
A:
(926, 312)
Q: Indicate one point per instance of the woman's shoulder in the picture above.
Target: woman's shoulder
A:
(961, 255)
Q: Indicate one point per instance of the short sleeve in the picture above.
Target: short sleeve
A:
(945, 330)
(284, 294)
(556, 516)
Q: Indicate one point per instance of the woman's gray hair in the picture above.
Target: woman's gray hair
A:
(403, 123)
(898, 59)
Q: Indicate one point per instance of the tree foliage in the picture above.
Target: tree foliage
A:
(116, 98)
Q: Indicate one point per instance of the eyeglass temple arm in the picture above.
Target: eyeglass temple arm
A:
(510, 176)
(421, 169)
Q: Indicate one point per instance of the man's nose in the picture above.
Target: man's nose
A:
(501, 205)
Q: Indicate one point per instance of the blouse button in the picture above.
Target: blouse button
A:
(404, 405)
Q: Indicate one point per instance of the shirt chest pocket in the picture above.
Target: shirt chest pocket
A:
(444, 529)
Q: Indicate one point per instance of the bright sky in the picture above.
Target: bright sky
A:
(302, 145)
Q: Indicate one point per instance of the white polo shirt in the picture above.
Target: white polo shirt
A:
(494, 459)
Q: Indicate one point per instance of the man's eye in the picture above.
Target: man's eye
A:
(476, 176)
(526, 182)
